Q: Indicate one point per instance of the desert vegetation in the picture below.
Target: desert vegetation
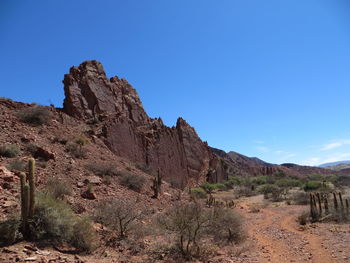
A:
(35, 116)
(46, 219)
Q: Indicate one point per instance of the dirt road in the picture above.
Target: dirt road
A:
(277, 237)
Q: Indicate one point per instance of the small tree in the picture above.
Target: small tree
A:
(189, 223)
(117, 215)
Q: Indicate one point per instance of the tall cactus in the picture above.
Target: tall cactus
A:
(24, 202)
(326, 205)
(31, 179)
(157, 182)
(313, 208)
(335, 201)
(27, 196)
(25, 208)
(319, 202)
(341, 201)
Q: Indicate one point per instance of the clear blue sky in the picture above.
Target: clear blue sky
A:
(264, 78)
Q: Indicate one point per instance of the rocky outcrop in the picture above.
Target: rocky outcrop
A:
(88, 92)
(128, 131)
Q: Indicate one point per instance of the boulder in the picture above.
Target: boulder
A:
(43, 154)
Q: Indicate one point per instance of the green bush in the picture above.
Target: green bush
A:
(260, 180)
(132, 181)
(35, 116)
(270, 191)
(313, 185)
(288, 182)
(55, 223)
(197, 193)
(9, 150)
(208, 187)
(211, 187)
(233, 181)
(220, 187)
(279, 174)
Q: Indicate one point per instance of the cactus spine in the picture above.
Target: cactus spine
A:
(157, 182)
(31, 179)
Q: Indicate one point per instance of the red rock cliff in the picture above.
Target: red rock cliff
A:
(178, 151)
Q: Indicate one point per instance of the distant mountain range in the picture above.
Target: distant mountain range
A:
(336, 166)
(334, 163)
(239, 164)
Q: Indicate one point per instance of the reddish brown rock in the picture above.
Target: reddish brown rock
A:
(43, 154)
(88, 194)
(128, 131)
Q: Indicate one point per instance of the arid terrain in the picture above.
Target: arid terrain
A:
(102, 145)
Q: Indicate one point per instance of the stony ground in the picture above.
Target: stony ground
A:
(273, 236)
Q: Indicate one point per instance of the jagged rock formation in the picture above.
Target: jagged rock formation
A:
(129, 132)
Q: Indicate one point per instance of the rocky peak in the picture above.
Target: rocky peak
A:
(178, 152)
(88, 92)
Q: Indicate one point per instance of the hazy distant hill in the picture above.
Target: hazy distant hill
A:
(328, 165)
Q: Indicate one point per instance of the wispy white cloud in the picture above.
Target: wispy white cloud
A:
(284, 155)
(337, 157)
(262, 149)
(335, 144)
(312, 161)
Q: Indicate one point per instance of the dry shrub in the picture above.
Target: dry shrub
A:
(119, 216)
(191, 224)
(35, 116)
(76, 150)
(132, 181)
(55, 223)
(9, 231)
(245, 191)
(58, 188)
(303, 217)
(9, 150)
(301, 198)
(102, 169)
(17, 165)
(226, 225)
